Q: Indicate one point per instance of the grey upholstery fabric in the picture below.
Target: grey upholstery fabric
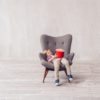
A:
(52, 43)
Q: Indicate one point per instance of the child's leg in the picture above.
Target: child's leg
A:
(56, 63)
(68, 67)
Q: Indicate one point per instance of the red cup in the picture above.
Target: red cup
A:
(59, 53)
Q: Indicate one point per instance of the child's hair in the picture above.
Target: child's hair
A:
(45, 52)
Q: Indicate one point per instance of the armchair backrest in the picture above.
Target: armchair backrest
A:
(52, 43)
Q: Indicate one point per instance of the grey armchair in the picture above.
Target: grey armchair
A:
(52, 43)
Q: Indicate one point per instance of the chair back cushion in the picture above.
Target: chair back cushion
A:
(53, 43)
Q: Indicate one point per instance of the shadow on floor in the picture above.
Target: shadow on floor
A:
(77, 79)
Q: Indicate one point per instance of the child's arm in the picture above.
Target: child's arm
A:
(53, 57)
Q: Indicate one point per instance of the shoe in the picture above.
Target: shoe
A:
(70, 77)
(57, 82)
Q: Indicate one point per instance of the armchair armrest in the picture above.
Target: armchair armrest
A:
(70, 57)
(42, 56)
(44, 61)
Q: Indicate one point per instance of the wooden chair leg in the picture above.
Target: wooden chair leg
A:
(65, 72)
(66, 75)
(45, 74)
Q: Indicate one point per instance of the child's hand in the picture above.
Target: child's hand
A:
(55, 56)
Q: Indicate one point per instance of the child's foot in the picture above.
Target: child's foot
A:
(70, 78)
(57, 82)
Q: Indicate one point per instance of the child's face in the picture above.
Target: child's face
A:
(49, 52)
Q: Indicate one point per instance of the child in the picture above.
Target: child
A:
(56, 61)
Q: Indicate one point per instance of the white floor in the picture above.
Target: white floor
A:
(23, 81)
